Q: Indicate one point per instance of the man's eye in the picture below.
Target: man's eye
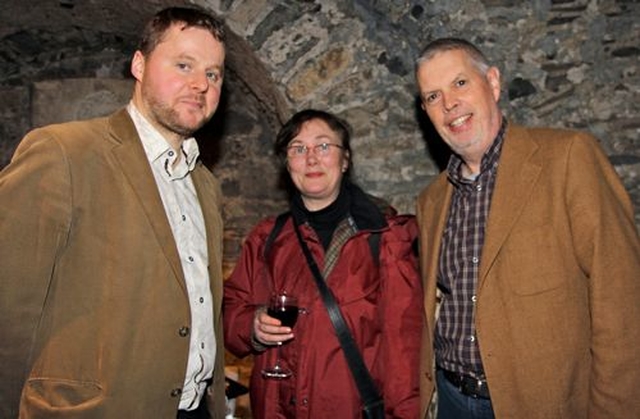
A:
(429, 99)
(183, 66)
(214, 76)
(460, 83)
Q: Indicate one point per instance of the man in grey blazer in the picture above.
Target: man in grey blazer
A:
(110, 244)
(530, 261)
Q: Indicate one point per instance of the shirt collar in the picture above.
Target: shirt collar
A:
(489, 159)
(156, 147)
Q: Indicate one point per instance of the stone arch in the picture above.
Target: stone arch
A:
(238, 145)
(69, 60)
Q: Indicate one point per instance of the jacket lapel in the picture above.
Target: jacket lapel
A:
(434, 217)
(133, 162)
(518, 171)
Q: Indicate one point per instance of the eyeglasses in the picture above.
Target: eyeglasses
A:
(319, 150)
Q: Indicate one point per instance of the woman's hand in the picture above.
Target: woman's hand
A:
(268, 330)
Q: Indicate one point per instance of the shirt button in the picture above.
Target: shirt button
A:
(183, 331)
(474, 260)
(474, 298)
(190, 258)
(201, 300)
(478, 188)
(201, 345)
(472, 338)
(305, 401)
(184, 217)
(171, 154)
(176, 392)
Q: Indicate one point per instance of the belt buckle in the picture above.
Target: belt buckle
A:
(472, 387)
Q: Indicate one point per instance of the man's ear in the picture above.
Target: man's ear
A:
(493, 76)
(137, 65)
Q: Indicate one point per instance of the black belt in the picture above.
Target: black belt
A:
(469, 386)
(199, 413)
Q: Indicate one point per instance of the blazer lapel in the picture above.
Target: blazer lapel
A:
(133, 162)
(435, 212)
(518, 171)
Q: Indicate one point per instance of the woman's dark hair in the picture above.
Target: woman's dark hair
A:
(292, 128)
(189, 16)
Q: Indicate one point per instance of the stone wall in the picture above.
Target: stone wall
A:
(564, 64)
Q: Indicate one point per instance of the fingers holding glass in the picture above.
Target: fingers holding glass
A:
(283, 308)
(268, 330)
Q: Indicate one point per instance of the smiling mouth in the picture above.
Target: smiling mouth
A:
(459, 121)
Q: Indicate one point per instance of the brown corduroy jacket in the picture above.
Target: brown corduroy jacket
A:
(93, 302)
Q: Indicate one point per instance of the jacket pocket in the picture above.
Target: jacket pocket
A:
(534, 259)
(60, 395)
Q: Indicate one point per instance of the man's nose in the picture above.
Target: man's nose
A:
(200, 82)
(449, 102)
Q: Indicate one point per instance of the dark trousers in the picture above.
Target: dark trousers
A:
(199, 413)
(454, 405)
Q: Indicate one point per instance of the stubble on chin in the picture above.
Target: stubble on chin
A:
(171, 120)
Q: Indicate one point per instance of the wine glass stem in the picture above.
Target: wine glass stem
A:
(278, 355)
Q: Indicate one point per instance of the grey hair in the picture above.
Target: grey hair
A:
(450, 44)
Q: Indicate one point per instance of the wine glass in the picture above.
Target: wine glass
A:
(283, 307)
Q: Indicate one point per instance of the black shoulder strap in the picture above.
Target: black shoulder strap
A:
(374, 246)
(277, 227)
(371, 399)
(374, 238)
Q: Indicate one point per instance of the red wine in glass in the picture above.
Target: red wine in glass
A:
(287, 314)
(283, 307)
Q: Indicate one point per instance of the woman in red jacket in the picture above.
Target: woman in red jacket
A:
(377, 287)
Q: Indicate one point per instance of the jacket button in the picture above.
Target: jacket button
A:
(176, 392)
(183, 331)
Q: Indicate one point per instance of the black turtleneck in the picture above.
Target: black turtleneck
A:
(324, 221)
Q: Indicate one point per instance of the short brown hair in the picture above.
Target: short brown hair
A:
(155, 29)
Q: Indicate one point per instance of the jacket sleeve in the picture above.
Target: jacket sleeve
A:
(244, 291)
(401, 308)
(607, 248)
(35, 218)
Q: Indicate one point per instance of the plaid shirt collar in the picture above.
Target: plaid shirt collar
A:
(489, 159)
